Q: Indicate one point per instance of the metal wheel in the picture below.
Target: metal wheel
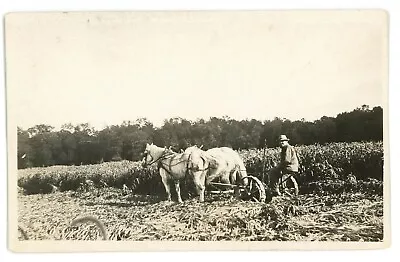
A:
(253, 190)
(284, 189)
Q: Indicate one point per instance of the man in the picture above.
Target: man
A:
(288, 166)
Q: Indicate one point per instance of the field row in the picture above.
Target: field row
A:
(336, 167)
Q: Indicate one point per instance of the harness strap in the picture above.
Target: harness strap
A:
(187, 165)
(163, 156)
(169, 166)
(161, 165)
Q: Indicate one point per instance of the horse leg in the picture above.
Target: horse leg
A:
(164, 178)
(234, 180)
(199, 180)
(233, 177)
(213, 174)
(178, 191)
(225, 178)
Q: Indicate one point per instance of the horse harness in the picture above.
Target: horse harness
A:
(168, 167)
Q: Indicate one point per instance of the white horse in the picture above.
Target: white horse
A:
(223, 163)
(231, 168)
(173, 166)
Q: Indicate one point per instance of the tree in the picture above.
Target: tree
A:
(69, 145)
(39, 129)
(82, 144)
(24, 150)
(361, 124)
(326, 127)
(110, 143)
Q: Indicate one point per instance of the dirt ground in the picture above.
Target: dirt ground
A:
(345, 217)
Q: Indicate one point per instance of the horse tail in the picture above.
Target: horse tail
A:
(241, 169)
(242, 172)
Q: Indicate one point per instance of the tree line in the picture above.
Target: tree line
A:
(80, 144)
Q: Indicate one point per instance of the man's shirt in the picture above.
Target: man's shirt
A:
(289, 161)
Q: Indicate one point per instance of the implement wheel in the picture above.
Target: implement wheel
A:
(283, 186)
(253, 189)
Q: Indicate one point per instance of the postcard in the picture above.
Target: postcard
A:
(197, 130)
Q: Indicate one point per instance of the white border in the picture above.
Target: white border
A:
(76, 5)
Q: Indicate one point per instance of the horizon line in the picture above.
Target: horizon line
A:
(196, 120)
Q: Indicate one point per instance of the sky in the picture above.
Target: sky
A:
(104, 68)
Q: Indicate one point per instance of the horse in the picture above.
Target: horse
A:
(219, 163)
(173, 166)
(235, 169)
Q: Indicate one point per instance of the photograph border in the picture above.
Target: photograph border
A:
(101, 246)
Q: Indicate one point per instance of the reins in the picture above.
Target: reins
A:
(168, 167)
(163, 156)
(168, 155)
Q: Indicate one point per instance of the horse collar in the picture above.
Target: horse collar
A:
(160, 158)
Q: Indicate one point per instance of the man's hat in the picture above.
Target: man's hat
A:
(283, 138)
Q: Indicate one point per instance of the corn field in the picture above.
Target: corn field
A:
(341, 199)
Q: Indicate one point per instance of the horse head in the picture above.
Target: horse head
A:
(151, 154)
(146, 155)
(199, 159)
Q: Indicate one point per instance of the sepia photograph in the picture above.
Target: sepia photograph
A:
(197, 130)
